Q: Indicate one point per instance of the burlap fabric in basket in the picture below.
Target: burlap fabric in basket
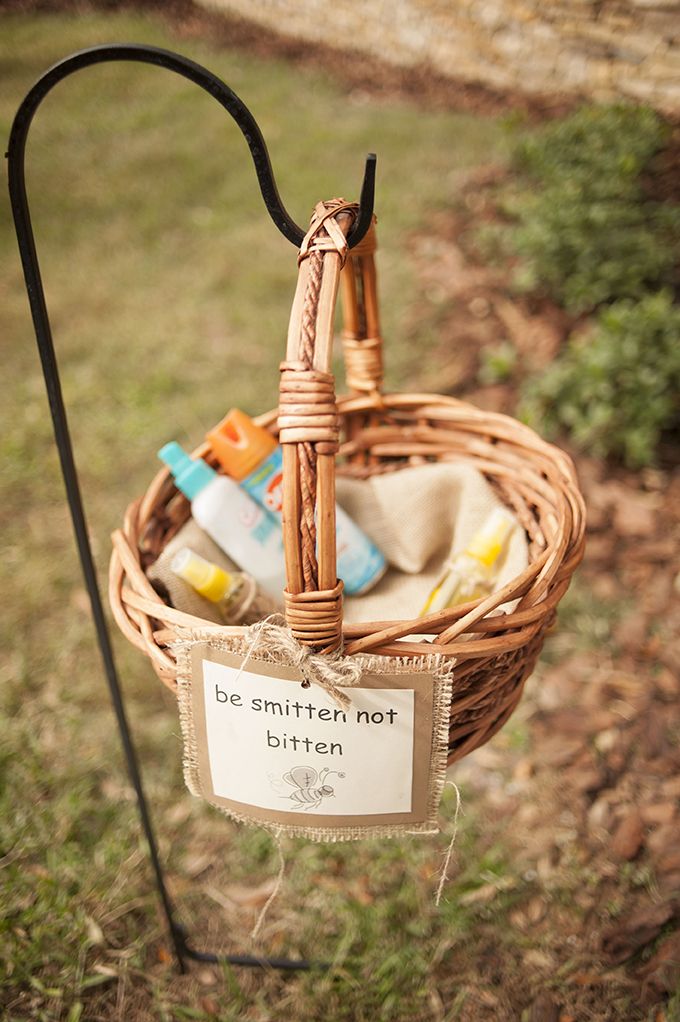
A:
(361, 435)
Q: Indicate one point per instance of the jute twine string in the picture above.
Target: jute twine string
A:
(278, 882)
(326, 672)
(444, 874)
(277, 835)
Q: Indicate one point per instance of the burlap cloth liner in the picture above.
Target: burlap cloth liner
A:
(183, 596)
(418, 517)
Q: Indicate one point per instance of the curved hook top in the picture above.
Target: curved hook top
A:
(211, 84)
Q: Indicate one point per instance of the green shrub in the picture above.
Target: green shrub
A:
(498, 363)
(584, 229)
(589, 252)
(616, 388)
(600, 149)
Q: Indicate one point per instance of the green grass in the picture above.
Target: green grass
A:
(169, 291)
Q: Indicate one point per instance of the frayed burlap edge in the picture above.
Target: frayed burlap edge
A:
(441, 668)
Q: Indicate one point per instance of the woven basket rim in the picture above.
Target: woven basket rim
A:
(129, 580)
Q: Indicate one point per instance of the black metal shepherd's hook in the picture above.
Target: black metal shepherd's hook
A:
(41, 323)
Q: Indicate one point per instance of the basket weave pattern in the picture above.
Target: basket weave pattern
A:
(369, 432)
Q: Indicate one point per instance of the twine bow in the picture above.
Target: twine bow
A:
(328, 672)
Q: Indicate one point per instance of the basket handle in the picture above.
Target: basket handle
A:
(308, 415)
(361, 338)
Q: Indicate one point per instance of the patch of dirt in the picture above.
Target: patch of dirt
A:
(475, 307)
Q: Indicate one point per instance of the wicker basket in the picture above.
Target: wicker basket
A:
(373, 432)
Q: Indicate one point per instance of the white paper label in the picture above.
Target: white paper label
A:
(273, 744)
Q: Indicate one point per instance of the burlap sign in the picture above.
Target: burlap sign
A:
(332, 749)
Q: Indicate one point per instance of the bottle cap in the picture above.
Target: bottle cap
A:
(191, 474)
(239, 444)
(206, 578)
(488, 542)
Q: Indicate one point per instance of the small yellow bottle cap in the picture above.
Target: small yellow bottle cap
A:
(206, 578)
(488, 542)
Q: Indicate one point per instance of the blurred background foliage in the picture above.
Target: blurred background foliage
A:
(584, 230)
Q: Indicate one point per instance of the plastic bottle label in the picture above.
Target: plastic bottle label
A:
(265, 484)
(244, 530)
(360, 563)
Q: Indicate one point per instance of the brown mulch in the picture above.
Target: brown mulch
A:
(592, 807)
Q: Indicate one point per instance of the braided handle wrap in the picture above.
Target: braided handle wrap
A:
(309, 432)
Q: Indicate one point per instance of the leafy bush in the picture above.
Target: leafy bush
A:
(602, 149)
(616, 388)
(498, 363)
(584, 229)
(586, 253)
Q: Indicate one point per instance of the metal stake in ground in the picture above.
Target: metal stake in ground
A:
(43, 333)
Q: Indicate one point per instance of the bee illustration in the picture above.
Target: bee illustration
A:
(310, 786)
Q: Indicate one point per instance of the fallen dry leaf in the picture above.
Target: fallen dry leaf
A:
(487, 892)
(198, 862)
(206, 977)
(95, 934)
(662, 972)
(587, 780)
(248, 897)
(558, 751)
(634, 512)
(628, 836)
(536, 910)
(658, 813)
(599, 814)
(105, 970)
(665, 839)
(669, 862)
(487, 998)
(524, 769)
(360, 890)
(536, 337)
(179, 813)
(539, 959)
(628, 935)
(80, 601)
(585, 979)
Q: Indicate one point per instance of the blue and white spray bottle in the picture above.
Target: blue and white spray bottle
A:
(247, 533)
